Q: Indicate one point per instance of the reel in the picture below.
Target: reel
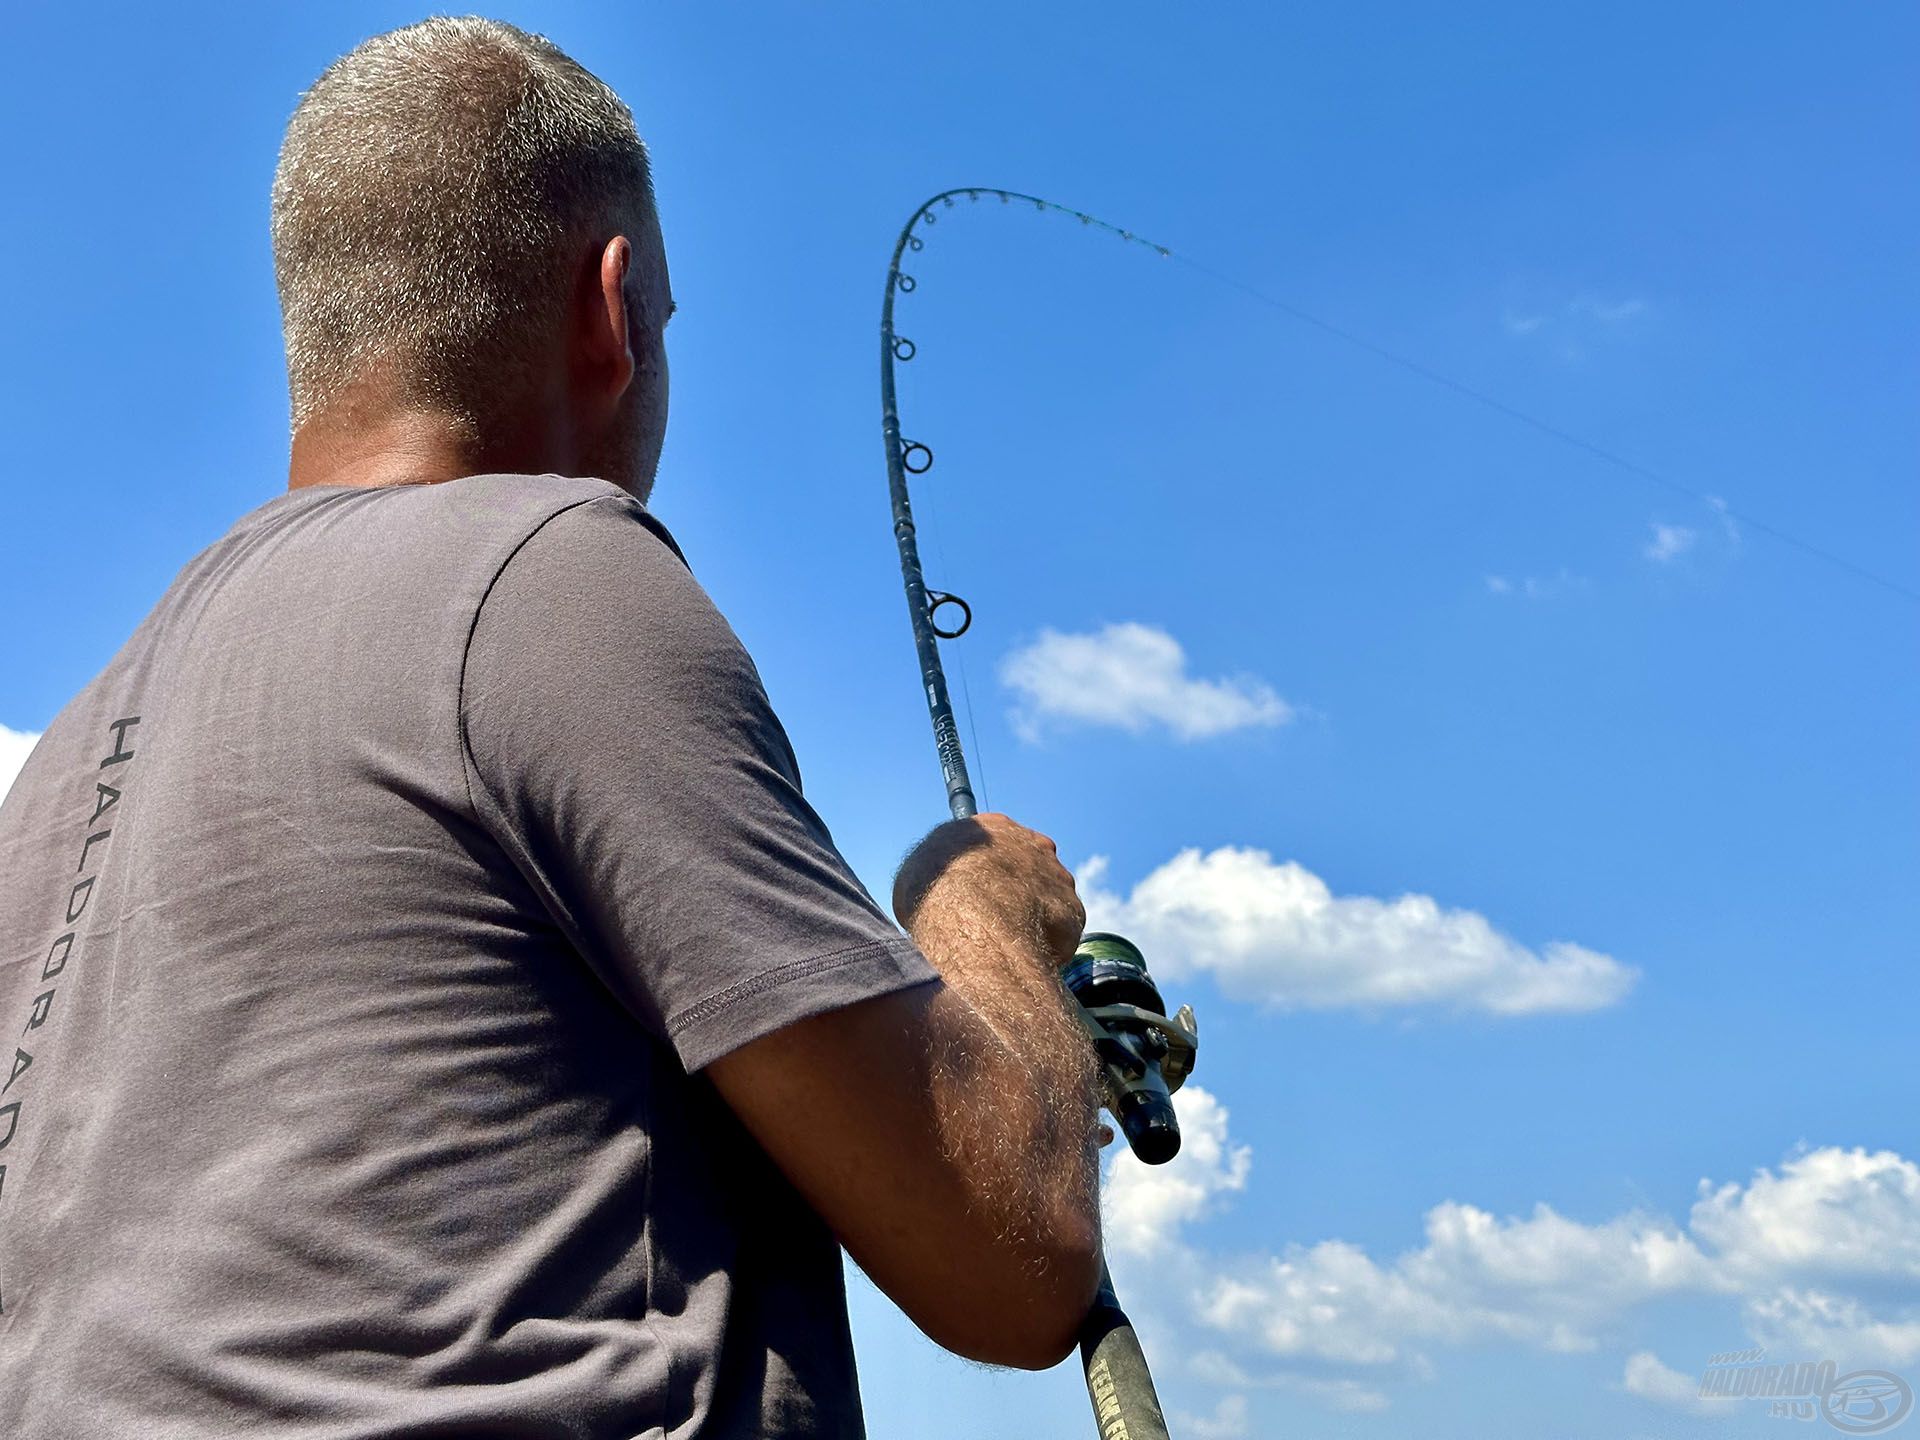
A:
(1144, 1055)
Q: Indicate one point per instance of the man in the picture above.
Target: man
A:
(438, 1012)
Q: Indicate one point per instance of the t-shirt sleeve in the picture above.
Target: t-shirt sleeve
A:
(621, 748)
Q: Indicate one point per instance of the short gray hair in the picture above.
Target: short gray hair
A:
(430, 191)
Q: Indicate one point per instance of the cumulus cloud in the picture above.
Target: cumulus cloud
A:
(1828, 1214)
(1821, 1323)
(1335, 1392)
(1227, 1422)
(1275, 933)
(15, 746)
(1145, 1206)
(1330, 1321)
(1345, 1395)
(1648, 1378)
(1828, 1250)
(1132, 677)
(1543, 1280)
(1668, 542)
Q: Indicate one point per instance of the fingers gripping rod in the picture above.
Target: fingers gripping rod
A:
(1119, 1384)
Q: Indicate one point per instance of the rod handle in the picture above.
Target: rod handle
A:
(1125, 1405)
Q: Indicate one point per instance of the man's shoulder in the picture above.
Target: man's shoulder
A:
(473, 505)
(513, 502)
(471, 526)
(393, 565)
(488, 512)
(490, 509)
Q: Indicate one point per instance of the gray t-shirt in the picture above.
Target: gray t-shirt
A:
(363, 930)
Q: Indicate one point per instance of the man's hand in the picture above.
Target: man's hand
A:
(947, 1134)
(994, 873)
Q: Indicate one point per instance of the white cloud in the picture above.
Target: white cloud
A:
(15, 746)
(1345, 1395)
(1340, 1393)
(1132, 677)
(1564, 324)
(1646, 1377)
(1274, 933)
(1228, 1421)
(1542, 1280)
(1536, 587)
(1817, 1324)
(1143, 1206)
(1830, 1222)
(1828, 1214)
(1669, 542)
(1332, 1322)
(1729, 527)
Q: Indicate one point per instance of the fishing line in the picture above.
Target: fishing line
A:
(973, 733)
(938, 529)
(1545, 427)
(928, 216)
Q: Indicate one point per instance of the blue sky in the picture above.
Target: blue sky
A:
(1537, 844)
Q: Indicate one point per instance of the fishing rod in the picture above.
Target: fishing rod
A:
(1144, 1055)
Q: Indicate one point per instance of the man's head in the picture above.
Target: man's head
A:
(463, 230)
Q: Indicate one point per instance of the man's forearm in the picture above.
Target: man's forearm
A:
(1014, 1081)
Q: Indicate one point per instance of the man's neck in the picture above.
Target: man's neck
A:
(398, 447)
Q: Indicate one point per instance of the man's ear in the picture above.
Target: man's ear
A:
(611, 337)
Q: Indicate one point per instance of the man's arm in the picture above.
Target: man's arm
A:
(946, 1133)
(622, 752)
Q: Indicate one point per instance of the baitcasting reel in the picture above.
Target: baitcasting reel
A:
(1145, 1056)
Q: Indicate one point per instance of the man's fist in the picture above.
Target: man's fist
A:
(991, 871)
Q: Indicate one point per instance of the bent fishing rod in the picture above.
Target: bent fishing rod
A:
(1144, 1055)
